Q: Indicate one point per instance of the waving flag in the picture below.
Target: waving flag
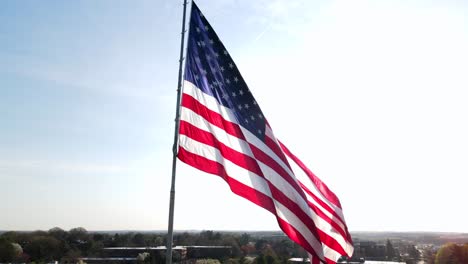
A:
(224, 132)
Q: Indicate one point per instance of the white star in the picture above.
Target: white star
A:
(198, 29)
(215, 83)
(233, 94)
(259, 132)
(221, 68)
(252, 117)
(216, 54)
(206, 27)
(228, 81)
(246, 106)
(225, 96)
(208, 57)
(231, 65)
(241, 92)
(225, 52)
(246, 120)
(240, 107)
(203, 71)
(255, 102)
(211, 41)
(260, 116)
(202, 43)
(235, 79)
(196, 77)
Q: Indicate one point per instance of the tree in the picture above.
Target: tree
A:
(244, 239)
(414, 252)
(267, 256)
(44, 248)
(7, 251)
(451, 254)
(389, 250)
(260, 244)
(138, 240)
(58, 233)
(78, 234)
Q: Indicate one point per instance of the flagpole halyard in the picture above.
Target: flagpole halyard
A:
(170, 230)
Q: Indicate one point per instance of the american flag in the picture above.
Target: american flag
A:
(224, 132)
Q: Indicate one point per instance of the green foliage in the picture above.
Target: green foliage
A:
(44, 248)
(7, 251)
(263, 248)
(452, 254)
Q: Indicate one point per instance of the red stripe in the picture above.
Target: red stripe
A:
(296, 210)
(344, 232)
(251, 164)
(264, 158)
(213, 167)
(321, 203)
(322, 187)
(228, 153)
(273, 145)
(247, 163)
(329, 220)
(292, 206)
(237, 187)
(314, 259)
(211, 116)
(295, 235)
(233, 129)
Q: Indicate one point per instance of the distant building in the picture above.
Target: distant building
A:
(129, 254)
(109, 260)
(368, 250)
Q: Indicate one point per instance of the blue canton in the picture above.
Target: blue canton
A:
(210, 67)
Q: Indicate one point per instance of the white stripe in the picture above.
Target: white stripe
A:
(240, 174)
(289, 217)
(252, 180)
(331, 254)
(239, 145)
(267, 171)
(242, 146)
(302, 177)
(321, 223)
(211, 103)
(229, 140)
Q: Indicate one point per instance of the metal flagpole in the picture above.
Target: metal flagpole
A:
(170, 229)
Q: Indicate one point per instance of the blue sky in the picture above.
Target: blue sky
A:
(372, 95)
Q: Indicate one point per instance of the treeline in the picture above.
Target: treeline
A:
(66, 246)
(69, 246)
(247, 248)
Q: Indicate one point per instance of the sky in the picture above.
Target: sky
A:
(371, 95)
